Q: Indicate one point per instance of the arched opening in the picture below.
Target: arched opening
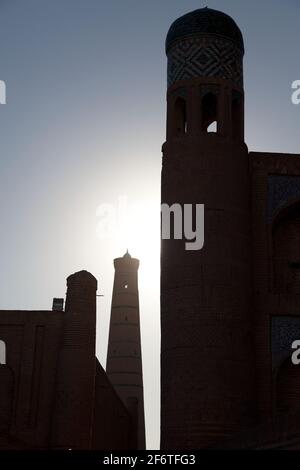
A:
(209, 106)
(286, 251)
(2, 352)
(288, 387)
(180, 116)
(212, 127)
(237, 114)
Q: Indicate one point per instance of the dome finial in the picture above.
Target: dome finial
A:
(127, 254)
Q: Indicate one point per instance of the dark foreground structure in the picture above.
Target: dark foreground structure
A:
(54, 394)
(229, 312)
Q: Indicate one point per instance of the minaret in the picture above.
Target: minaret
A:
(75, 382)
(206, 330)
(124, 357)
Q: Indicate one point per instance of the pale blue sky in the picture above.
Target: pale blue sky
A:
(84, 124)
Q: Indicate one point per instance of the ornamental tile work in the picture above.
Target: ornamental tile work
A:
(205, 57)
(281, 189)
(284, 330)
(204, 21)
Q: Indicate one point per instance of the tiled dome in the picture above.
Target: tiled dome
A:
(204, 21)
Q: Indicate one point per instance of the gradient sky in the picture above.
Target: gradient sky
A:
(83, 126)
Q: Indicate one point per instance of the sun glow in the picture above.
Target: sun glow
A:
(140, 234)
(133, 226)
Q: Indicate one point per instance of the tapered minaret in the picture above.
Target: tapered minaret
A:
(124, 357)
(206, 330)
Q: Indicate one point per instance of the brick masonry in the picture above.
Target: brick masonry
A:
(53, 392)
(229, 312)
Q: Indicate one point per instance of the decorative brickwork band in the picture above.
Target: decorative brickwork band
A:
(205, 56)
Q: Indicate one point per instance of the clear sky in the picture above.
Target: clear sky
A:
(83, 126)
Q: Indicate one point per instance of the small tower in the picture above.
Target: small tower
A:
(75, 382)
(124, 359)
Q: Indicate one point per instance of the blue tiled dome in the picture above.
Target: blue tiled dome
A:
(204, 21)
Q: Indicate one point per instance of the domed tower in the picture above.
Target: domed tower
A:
(206, 343)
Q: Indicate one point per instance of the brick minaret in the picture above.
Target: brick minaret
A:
(206, 345)
(75, 387)
(124, 359)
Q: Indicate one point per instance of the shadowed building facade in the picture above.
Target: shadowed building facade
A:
(124, 356)
(230, 311)
(54, 394)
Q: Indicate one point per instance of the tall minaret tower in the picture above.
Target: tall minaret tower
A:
(206, 344)
(124, 357)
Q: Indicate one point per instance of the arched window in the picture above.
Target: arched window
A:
(212, 127)
(180, 116)
(2, 352)
(286, 250)
(209, 107)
